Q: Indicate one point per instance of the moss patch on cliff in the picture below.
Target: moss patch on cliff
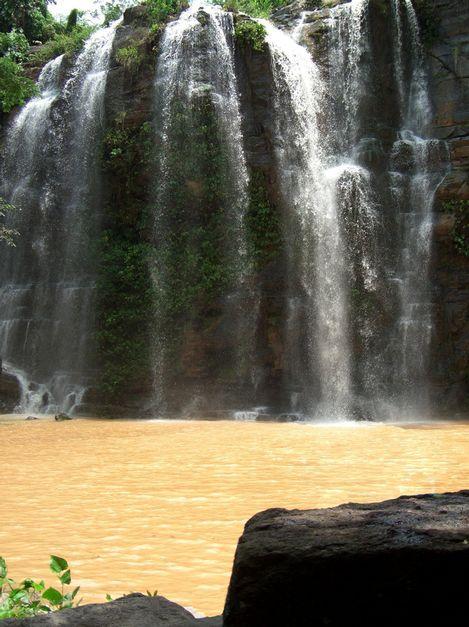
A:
(126, 297)
(262, 222)
(192, 209)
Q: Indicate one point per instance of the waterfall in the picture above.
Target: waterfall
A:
(196, 88)
(49, 173)
(386, 224)
(316, 248)
(415, 175)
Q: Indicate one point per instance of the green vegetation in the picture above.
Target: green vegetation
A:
(125, 288)
(28, 598)
(14, 45)
(260, 8)
(6, 234)
(460, 210)
(130, 58)
(63, 43)
(112, 11)
(160, 10)
(197, 201)
(27, 22)
(29, 16)
(251, 33)
(15, 87)
(263, 222)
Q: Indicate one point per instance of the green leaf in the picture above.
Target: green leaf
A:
(65, 577)
(53, 596)
(57, 564)
(3, 568)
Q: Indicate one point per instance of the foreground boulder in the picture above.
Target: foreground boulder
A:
(403, 561)
(133, 610)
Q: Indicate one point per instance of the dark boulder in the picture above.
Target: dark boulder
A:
(10, 392)
(133, 610)
(403, 561)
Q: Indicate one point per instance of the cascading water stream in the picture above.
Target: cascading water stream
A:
(415, 175)
(196, 70)
(49, 174)
(316, 250)
(389, 371)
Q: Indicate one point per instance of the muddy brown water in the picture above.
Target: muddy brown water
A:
(138, 506)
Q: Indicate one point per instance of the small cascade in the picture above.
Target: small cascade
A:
(196, 97)
(349, 61)
(317, 299)
(48, 280)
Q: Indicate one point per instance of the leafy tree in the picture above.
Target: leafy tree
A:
(15, 87)
(31, 16)
(72, 20)
(14, 45)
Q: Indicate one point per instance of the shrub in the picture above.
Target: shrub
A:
(63, 43)
(160, 10)
(28, 598)
(256, 8)
(31, 16)
(129, 57)
(251, 33)
(15, 87)
(111, 12)
(14, 45)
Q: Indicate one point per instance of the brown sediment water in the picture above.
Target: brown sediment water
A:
(139, 505)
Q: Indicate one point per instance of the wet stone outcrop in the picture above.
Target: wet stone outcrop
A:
(133, 610)
(395, 562)
(10, 392)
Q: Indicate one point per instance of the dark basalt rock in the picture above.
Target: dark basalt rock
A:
(10, 392)
(133, 610)
(403, 561)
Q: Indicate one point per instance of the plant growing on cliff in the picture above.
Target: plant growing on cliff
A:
(460, 232)
(130, 58)
(29, 597)
(160, 10)
(263, 222)
(251, 34)
(125, 291)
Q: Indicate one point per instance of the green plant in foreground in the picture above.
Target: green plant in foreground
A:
(28, 598)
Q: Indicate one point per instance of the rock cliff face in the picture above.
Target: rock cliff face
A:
(449, 71)
(123, 374)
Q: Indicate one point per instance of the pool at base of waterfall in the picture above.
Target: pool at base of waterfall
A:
(145, 505)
